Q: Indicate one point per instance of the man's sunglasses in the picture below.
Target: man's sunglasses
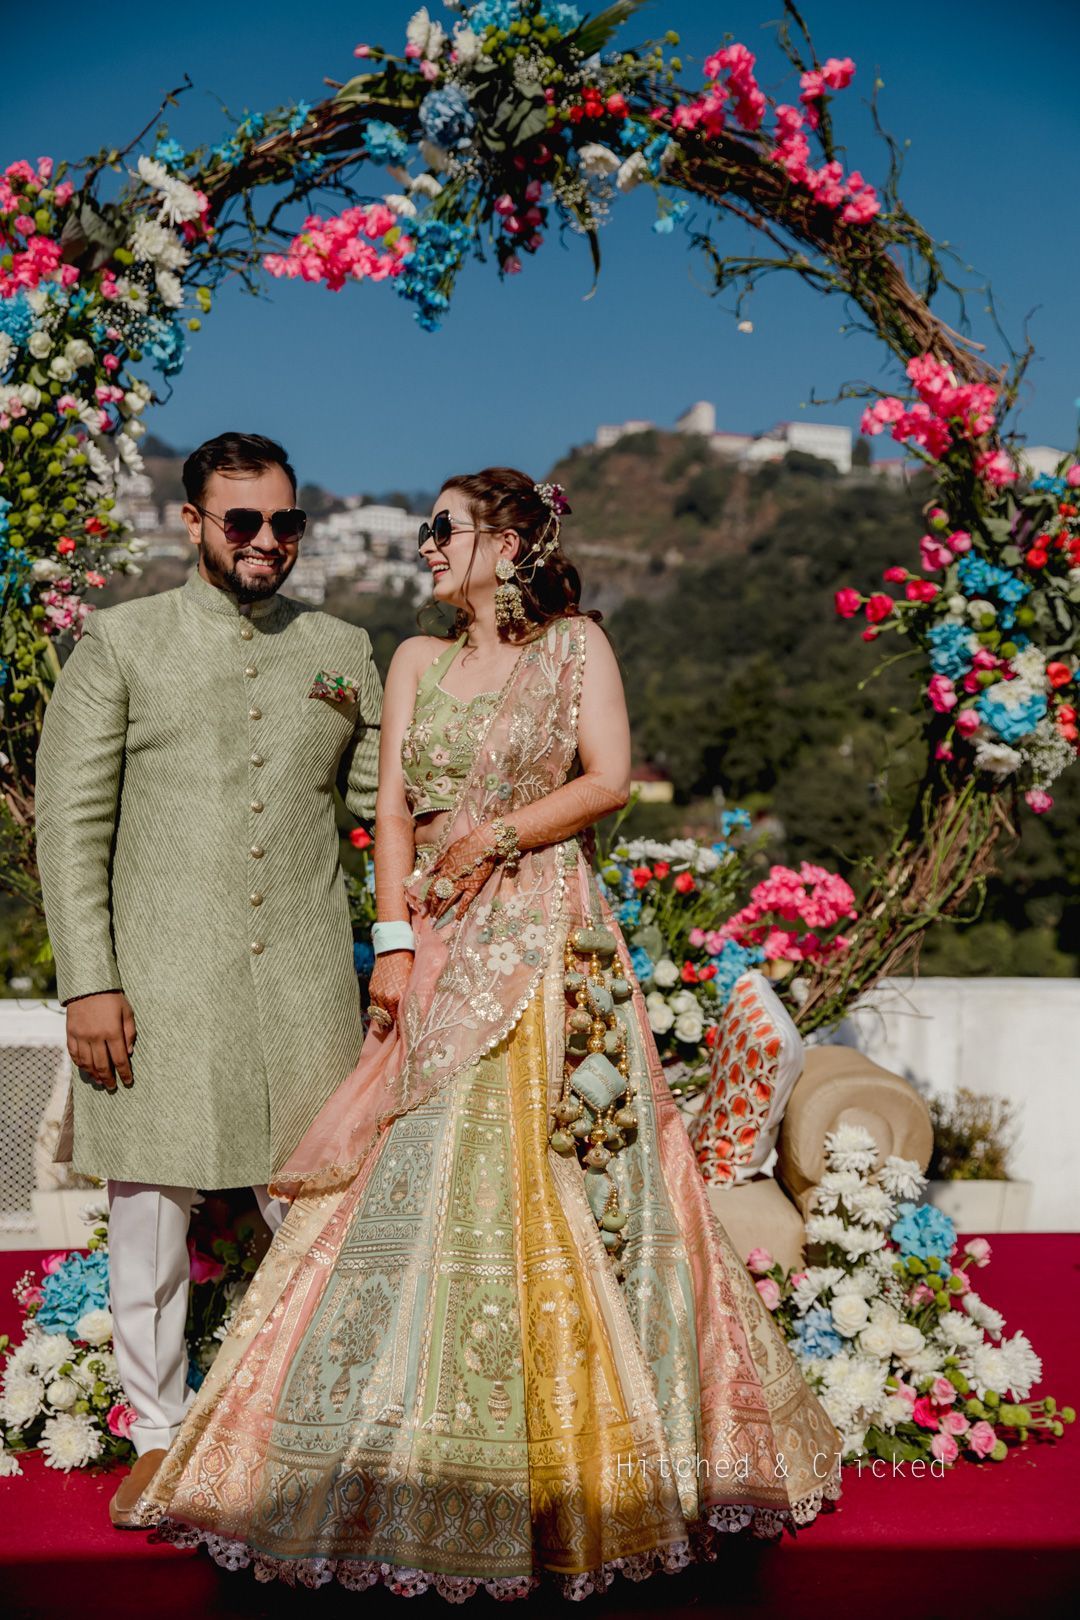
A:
(242, 523)
(441, 527)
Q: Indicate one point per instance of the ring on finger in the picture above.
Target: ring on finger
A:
(380, 1016)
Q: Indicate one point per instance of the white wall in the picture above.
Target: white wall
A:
(1013, 1038)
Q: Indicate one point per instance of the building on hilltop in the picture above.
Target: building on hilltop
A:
(609, 434)
(822, 439)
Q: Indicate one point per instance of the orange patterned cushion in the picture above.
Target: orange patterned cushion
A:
(756, 1061)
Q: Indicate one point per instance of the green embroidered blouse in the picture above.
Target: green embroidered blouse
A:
(441, 739)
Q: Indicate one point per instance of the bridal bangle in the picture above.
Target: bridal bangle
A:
(392, 936)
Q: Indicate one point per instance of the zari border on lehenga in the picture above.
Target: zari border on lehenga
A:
(700, 1546)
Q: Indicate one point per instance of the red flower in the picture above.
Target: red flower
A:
(920, 590)
(1066, 714)
(846, 602)
(94, 525)
(689, 973)
(896, 574)
(661, 869)
(1035, 558)
(712, 1034)
(706, 973)
(641, 876)
(1058, 674)
(616, 105)
(65, 545)
(879, 607)
(685, 883)
(359, 839)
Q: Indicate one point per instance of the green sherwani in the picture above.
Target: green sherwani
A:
(189, 856)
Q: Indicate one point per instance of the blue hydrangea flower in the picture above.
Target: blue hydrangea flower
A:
(170, 152)
(383, 143)
(816, 1339)
(493, 14)
(447, 119)
(81, 1284)
(363, 957)
(630, 913)
(654, 153)
(438, 249)
(952, 647)
(981, 578)
(731, 964)
(1013, 720)
(300, 117)
(642, 964)
(667, 221)
(16, 319)
(923, 1230)
(228, 151)
(254, 123)
(1052, 485)
(734, 818)
(563, 17)
(166, 346)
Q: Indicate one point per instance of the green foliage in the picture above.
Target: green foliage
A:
(973, 1137)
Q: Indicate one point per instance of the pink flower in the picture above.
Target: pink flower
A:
(923, 1413)
(1072, 477)
(880, 414)
(846, 602)
(110, 362)
(981, 1438)
(30, 1297)
(954, 1423)
(120, 1418)
(811, 85)
(906, 1392)
(943, 751)
(878, 607)
(697, 939)
(967, 721)
(920, 590)
(53, 1262)
(429, 71)
(944, 1448)
(942, 693)
(412, 52)
(895, 574)
(203, 1267)
(943, 1392)
(862, 207)
(504, 204)
(769, 1292)
(995, 467)
(760, 1260)
(797, 1277)
(1039, 800)
(958, 541)
(512, 265)
(362, 50)
(921, 1294)
(933, 554)
(838, 72)
(979, 1251)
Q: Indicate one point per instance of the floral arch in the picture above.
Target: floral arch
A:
(520, 117)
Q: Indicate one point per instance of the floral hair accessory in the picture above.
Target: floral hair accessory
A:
(329, 684)
(554, 496)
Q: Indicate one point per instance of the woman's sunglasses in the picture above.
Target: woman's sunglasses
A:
(441, 527)
(242, 523)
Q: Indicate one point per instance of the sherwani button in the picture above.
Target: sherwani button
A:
(256, 805)
(254, 714)
(256, 899)
(256, 759)
(251, 670)
(256, 947)
(257, 851)
(246, 632)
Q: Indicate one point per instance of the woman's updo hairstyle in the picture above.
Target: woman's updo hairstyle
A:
(504, 498)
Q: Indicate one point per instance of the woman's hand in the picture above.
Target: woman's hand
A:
(467, 864)
(389, 977)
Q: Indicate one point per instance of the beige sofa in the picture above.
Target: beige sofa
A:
(838, 1086)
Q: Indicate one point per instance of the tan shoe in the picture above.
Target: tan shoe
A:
(122, 1506)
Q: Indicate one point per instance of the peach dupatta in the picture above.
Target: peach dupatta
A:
(472, 979)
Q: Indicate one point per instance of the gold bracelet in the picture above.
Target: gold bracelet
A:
(506, 843)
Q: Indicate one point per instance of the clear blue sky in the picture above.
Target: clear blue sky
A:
(985, 91)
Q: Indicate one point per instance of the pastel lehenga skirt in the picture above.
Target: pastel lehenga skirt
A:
(438, 1377)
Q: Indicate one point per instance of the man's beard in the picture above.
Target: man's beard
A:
(223, 568)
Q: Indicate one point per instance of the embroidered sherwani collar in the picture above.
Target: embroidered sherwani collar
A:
(215, 600)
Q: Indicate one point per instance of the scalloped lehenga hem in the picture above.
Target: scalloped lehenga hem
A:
(700, 1545)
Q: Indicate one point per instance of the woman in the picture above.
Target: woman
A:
(500, 1332)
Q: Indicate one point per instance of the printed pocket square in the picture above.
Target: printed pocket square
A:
(339, 688)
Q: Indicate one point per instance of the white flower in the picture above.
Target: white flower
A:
(853, 1442)
(425, 185)
(153, 244)
(1023, 1367)
(467, 45)
(425, 34)
(95, 1327)
(979, 608)
(684, 1002)
(825, 1229)
(598, 160)
(665, 973)
(70, 1442)
(876, 1340)
(901, 1178)
(170, 288)
(907, 1341)
(989, 1320)
(39, 344)
(52, 1350)
(61, 369)
(9, 1464)
(403, 207)
(79, 352)
(21, 1400)
(502, 957)
(661, 1016)
(1030, 665)
(30, 396)
(850, 1147)
(38, 300)
(989, 1370)
(46, 568)
(859, 1282)
(996, 757)
(689, 1027)
(133, 428)
(127, 450)
(874, 1205)
(849, 1314)
(179, 202)
(631, 172)
(836, 1186)
(894, 1409)
(925, 1363)
(62, 1393)
(817, 1280)
(958, 1332)
(7, 349)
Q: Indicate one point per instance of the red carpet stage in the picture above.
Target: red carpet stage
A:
(990, 1540)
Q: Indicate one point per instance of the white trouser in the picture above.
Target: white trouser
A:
(149, 1271)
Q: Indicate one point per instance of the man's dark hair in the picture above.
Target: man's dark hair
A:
(233, 452)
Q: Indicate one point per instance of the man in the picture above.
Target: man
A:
(195, 902)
